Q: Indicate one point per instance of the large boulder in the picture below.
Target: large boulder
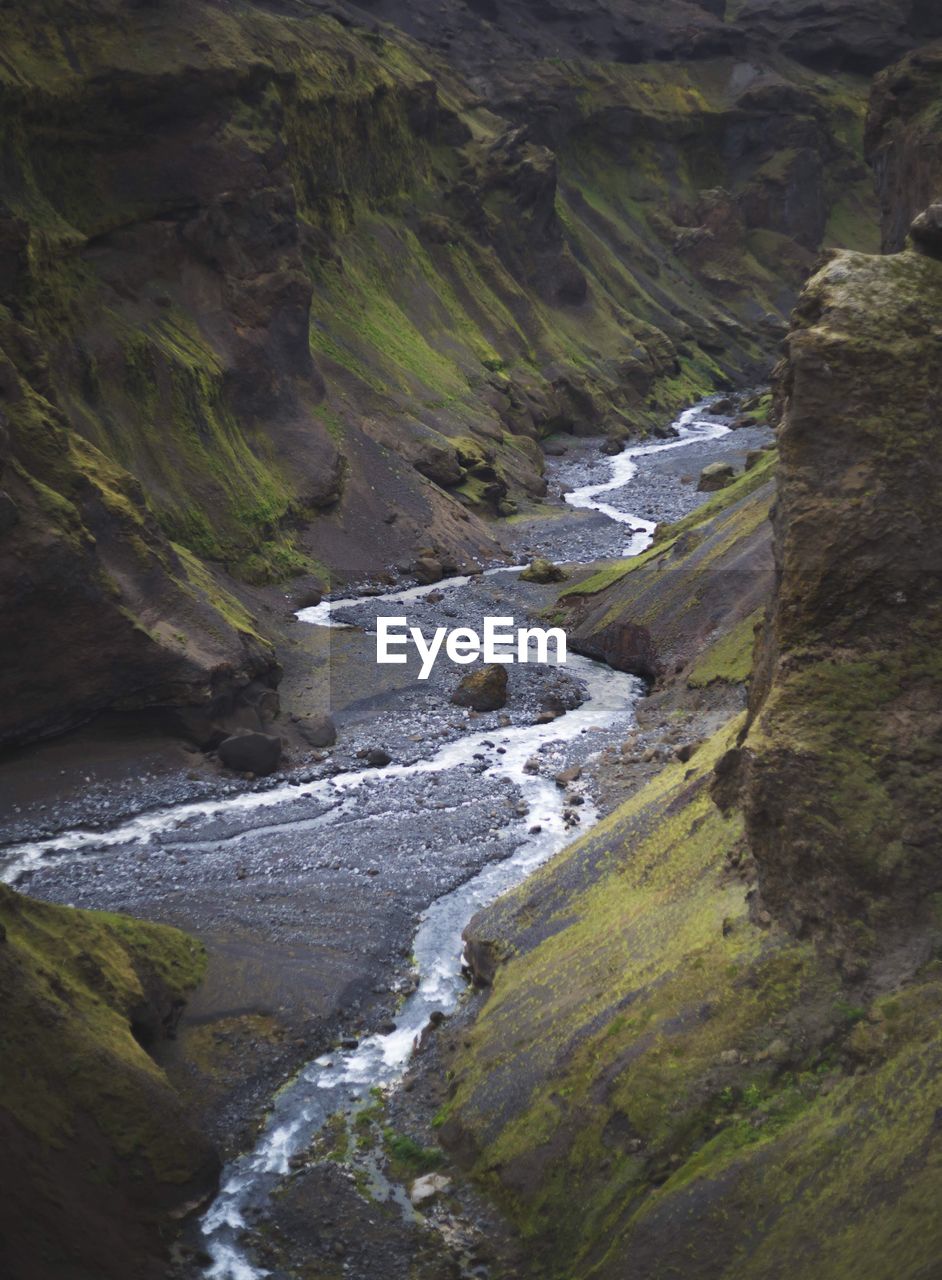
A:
(257, 753)
(484, 689)
(716, 476)
(926, 231)
(318, 731)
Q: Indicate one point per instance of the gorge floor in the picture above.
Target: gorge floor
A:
(308, 889)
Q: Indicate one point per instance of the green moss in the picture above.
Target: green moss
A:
(92, 977)
(729, 658)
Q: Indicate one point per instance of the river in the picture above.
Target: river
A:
(506, 815)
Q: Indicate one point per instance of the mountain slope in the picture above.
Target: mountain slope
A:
(292, 293)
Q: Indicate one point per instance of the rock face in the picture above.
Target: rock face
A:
(903, 141)
(484, 689)
(82, 999)
(849, 696)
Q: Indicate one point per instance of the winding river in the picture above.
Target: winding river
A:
(341, 1081)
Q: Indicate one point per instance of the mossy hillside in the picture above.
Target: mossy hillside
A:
(596, 1061)
(656, 1076)
(689, 593)
(729, 659)
(101, 978)
(685, 126)
(141, 628)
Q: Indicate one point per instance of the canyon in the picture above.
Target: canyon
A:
(317, 314)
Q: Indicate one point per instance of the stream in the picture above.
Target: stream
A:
(342, 1080)
(493, 764)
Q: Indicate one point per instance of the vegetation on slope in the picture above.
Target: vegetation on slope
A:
(96, 1148)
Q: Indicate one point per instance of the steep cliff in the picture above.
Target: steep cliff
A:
(96, 1150)
(904, 141)
(287, 293)
(711, 1033)
(847, 710)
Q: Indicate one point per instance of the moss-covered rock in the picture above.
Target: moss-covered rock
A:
(846, 709)
(97, 1151)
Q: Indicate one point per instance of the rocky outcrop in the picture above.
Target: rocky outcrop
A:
(97, 1152)
(849, 701)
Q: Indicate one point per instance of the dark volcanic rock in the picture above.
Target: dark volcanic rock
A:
(846, 691)
(249, 752)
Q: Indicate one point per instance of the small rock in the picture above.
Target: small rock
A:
(425, 1190)
(566, 776)
(719, 408)
(427, 570)
(377, 758)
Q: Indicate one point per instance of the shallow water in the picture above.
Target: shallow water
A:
(338, 1081)
(483, 761)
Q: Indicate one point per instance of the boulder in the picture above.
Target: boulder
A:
(425, 1190)
(318, 731)
(719, 408)
(926, 231)
(543, 571)
(249, 752)
(428, 570)
(484, 689)
(716, 476)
